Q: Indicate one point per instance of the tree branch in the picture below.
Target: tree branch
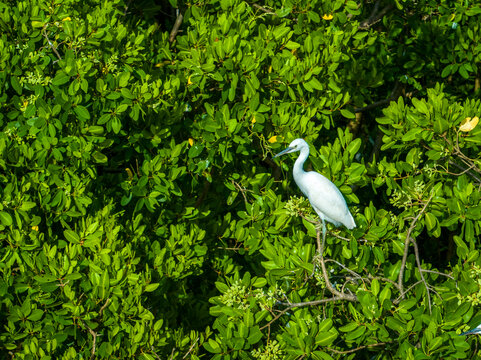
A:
(54, 49)
(438, 273)
(358, 348)
(329, 286)
(400, 297)
(191, 347)
(263, 9)
(94, 335)
(406, 245)
(103, 307)
(176, 26)
(299, 304)
(375, 16)
(418, 262)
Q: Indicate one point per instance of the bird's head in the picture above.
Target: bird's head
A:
(295, 145)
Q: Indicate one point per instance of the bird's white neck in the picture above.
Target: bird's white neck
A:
(299, 164)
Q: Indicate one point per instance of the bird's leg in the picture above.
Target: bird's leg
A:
(323, 236)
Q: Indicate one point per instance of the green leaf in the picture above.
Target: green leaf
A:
(81, 112)
(60, 79)
(35, 315)
(99, 157)
(259, 282)
(195, 150)
(151, 287)
(212, 346)
(347, 114)
(71, 236)
(5, 218)
(420, 105)
(126, 93)
(124, 79)
(446, 71)
(16, 85)
(430, 220)
(463, 72)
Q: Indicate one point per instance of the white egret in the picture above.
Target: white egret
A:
(324, 196)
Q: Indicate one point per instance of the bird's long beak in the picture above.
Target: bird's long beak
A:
(285, 151)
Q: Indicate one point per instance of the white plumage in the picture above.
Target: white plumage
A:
(324, 196)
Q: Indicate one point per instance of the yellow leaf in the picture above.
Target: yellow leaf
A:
(35, 228)
(67, 19)
(189, 82)
(129, 173)
(191, 141)
(253, 121)
(273, 139)
(327, 17)
(468, 124)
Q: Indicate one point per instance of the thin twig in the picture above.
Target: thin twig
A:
(308, 220)
(358, 348)
(418, 262)
(176, 27)
(263, 9)
(94, 335)
(242, 190)
(103, 307)
(329, 286)
(44, 33)
(156, 355)
(406, 244)
(127, 7)
(438, 273)
(463, 169)
(353, 273)
(191, 347)
(400, 297)
(291, 306)
(375, 17)
(172, 354)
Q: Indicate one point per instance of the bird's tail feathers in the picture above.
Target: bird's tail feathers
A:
(350, 223)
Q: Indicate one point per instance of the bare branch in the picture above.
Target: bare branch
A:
(464, 170)
(191, 347)
(418, 262)
(54, 49)
(370, 277)
(406, 245)
(176, 27)
(332, 289)
(358, 348)
(263, 9)
(300, 304)
(375, 16)
(153, 351)
(94, 335)
(438, 273)
(353, 273)
(309, 303)
(400, 297)
(103, 307)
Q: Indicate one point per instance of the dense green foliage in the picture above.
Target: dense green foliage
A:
(141, 214)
